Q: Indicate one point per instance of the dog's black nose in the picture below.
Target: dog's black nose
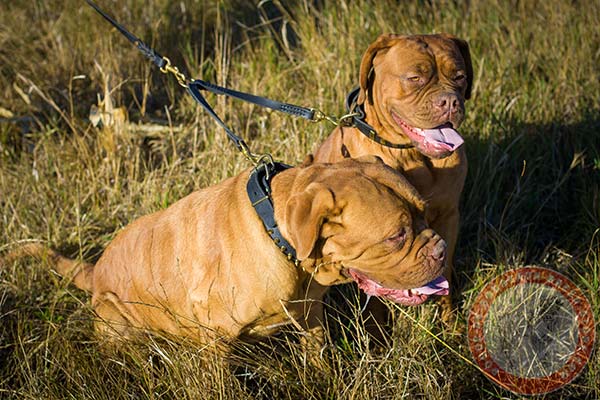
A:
(447, 103)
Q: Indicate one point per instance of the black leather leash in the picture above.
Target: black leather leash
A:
(258, 187)
(357, 114)
(156, 58)
(194, 87)
(259, 182)
(310, 114)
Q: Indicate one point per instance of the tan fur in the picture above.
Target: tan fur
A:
(205, 268)
(79, 272)
(383, 72)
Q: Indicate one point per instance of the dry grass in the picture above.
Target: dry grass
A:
(532, 194)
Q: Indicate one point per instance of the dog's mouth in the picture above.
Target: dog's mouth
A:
(441, 140)
(407, 297)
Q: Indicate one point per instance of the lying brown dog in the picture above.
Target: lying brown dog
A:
(205, 268)
(412, 93)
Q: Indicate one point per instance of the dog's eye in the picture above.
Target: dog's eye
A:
(460, 78)
(398, 239)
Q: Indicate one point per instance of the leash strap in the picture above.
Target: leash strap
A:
(259, 192)
(354, 118)
(259, 182)
(357, 113)
(303, 112)
(156, 58)
(193, 89)
(163, 63)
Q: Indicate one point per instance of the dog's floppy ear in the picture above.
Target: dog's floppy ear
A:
(463, 47)
(396, 181)
(304, 216)
(383, 42)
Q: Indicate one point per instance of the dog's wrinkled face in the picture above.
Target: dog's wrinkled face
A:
(418, 86)
(368, 227)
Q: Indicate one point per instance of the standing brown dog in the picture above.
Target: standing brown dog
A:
(412, 93)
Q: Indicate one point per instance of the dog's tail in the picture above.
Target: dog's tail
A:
(81, 273)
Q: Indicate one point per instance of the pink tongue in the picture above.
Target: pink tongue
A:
(438, 286)
(444, 135)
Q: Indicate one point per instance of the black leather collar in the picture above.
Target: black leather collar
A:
(259, 193)
(358, 121)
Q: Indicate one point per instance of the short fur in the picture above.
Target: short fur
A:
(205, 268)
(413, 75)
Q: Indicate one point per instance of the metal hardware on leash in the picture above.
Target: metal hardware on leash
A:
(319, 116)
(344, 120)
(168, 68)
(245, 150)
(267, 161)
(195, 86)
(265, 168)
(255, 159)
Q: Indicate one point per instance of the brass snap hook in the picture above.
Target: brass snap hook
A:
(247, 153)
(181, 78)
(319, 116)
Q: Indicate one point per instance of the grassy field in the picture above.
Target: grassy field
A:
(532, 194)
